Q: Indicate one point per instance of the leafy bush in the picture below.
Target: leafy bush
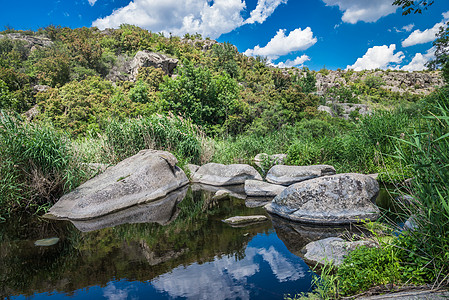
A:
(200, 96)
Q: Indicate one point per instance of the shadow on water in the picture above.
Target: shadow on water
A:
(177, 247)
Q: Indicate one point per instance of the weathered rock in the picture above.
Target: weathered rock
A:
(336, 199)
(274, 159)
(40, 88)
(150, 59)
(142, 178)
(326, 109)
(244, 220)
(162, 211)
(236, 191)
(257, 201)
(32, 113)
(219, 174)
(411, 224)
(287, 175)
(257, 188)
(332, 250)
(192, 169)
(374, 175)
(31, 41)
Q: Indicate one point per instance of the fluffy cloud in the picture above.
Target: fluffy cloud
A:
(263, 10)
(419, 60)
(362, 10)
(209, 18)
(378, 57)
(179, 17)
(282, 44)
(92, 2)
(428, 35)
(297, 62)
(408, 27)
(422, 37)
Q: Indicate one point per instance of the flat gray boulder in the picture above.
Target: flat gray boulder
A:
(245, 220)
(142, 178)
(257, 188)
(146, 58)
(332, 250)
(287, 175)
(219, 174)
(336, 199)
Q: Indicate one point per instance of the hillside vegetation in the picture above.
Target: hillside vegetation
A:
(73, 98)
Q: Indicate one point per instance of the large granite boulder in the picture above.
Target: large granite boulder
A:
(219, 174)
(162, 211)
(257, 188)
(146, 58)
(142, 178)
(336, 199)
(332, 250)
(287, 175)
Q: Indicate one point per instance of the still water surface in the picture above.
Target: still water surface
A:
(184, 251)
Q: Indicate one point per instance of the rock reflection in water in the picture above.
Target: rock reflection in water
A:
(236, 191)
(297, 235)
(162, 211)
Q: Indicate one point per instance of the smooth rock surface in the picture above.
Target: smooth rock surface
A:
(142, 178)
(236, 191)
(287, 175)
(192, 169)
(336, 199)
(257, 188)
(221, 194)
(47, 242)
(274, 159)
(332, 250)
(220, 175)
(241, 220)
(162, 211)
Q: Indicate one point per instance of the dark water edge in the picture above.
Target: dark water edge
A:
(188, 254)
(176, 248)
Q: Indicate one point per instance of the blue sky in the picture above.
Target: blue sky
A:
(357, 34)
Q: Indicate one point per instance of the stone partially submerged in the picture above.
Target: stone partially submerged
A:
(257, 188)
(142, 178)
(287, 175)
(336, 199)
(245, 220)
(220, 175)
(332, 250)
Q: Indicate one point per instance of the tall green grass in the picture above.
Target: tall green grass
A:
(171, 133)
(37, 164)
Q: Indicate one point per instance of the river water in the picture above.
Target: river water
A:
(183, 251)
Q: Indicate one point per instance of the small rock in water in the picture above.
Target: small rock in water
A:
(240, 220)
(47, 242)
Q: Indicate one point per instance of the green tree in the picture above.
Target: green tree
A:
(409, 6)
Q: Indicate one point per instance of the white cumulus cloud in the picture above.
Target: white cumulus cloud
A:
(92, 2)
(263, 10)
(408, 27)
(178, 17)
(282, 44)
(381, 57)
(209, 18)
(422, 37)
(362, 10)
(419, 60)
(297, 62)
(428, 35)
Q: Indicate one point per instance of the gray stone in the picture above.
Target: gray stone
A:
(142, 178)
(146, 58)
(31, 41)
(192, 169)
(241, 220)
(418, 294)
(336, 199)
(162, 211)
(332, 250)
(410, 224)
(253, 202)
(326, 109)
(257, 188)
(236, 191)
(219, 174)
(287, 175)
(274, 159)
